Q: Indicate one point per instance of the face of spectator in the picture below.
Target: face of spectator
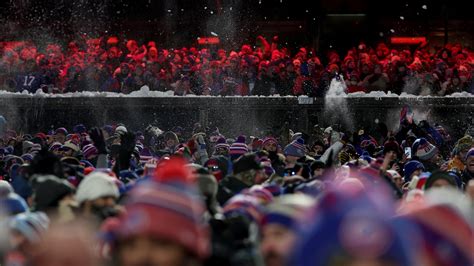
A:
(398, 181)
(67, 152)
(145, 250)
(124, 69)
(470, 164)
(271, 147)
(276, 244)
(417, 172)
(318, 172)
(61, 138)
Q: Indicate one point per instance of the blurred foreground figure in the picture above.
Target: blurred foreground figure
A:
(63, 245)
(163, 223)
(278, 227)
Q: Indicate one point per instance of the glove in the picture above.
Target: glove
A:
(97, 137)
(128, 142)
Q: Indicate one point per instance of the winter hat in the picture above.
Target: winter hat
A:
(96, 185)
(238, 148)
(5, 188)
(222, 144)
(79, 129)
(446, 233)
(55, 146)
(31, 225)
(11, 203)
(269, 140)
(295, 148)
(61, 130)
(355, 225)
(246, 163)
(411, 167)
(27, 158)
(423, 149)
(469, 154)
(168, 200)
(287, 210)
(48, 190)
(89, 151)
(394, 174)
(121, 130)
(391, 145)
(259, 192)
(246, 206)
(70, 145)
(437, 176)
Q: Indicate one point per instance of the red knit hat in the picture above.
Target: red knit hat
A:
(169, 208)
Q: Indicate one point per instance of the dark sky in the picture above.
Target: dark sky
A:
(178, 21)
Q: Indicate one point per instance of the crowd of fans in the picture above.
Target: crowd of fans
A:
(113, 65)
(109, 196)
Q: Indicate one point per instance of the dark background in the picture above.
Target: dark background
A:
(325, 24)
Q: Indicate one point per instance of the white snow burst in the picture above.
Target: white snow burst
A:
(424, 7)
(402, 17)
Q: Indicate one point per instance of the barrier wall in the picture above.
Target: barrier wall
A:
(233, 115)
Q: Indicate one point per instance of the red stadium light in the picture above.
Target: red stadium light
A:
(407, 40)
(208, 40)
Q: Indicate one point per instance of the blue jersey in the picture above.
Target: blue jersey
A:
(30, 82)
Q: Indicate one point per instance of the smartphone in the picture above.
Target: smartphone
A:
(408, 152)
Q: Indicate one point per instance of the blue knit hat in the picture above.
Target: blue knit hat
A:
(295, 148)
(31, 225)
(351, 226)
(423, 149)
(411, 167)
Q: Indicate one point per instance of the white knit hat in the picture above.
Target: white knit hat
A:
(96, 185)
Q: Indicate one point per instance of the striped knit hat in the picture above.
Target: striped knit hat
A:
(168, 207)
(238, 148)
(269, 140)
(295, 148)
(222, 144)
(423, 149)
(89, 151)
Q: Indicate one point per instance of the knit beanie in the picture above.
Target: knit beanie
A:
(295, 148)
(222, 144)
(287, 210)
(238, 148)
(423, 149)
(89, 151)
(96, 185)
(438, 175)
(411, 167)
(167, 207)
(269, 140)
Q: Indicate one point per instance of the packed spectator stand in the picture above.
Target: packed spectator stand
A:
(115, 64)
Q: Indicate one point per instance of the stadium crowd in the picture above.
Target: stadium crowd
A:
(192, 196)
(268, 68)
